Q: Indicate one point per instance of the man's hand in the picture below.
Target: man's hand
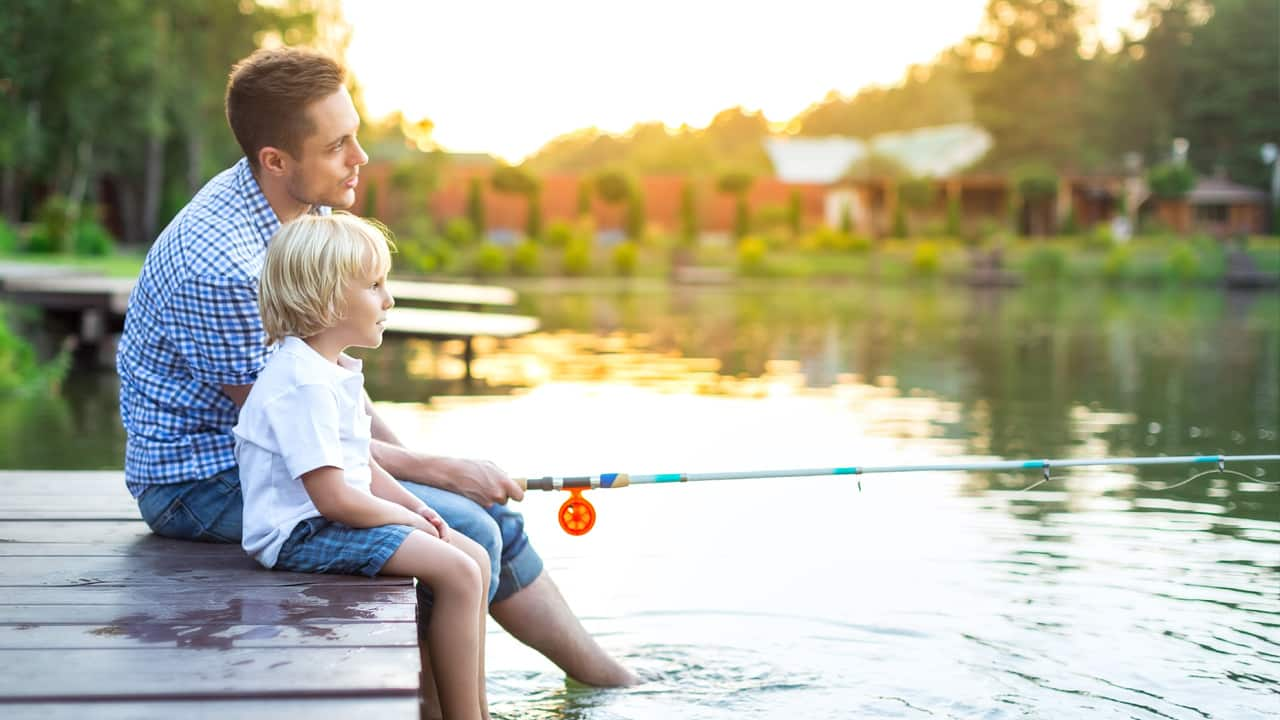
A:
(484, 482)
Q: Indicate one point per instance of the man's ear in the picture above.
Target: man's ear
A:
(273, 160)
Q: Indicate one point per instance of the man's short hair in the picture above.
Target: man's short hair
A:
(310, 260)
(268, 94)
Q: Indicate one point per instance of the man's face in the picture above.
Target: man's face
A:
(327, 170)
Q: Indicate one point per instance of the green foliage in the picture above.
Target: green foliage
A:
(1046, 263)
(953, 216)
(688, 215)
(559, 234)
(8, 238)
(89, 238)
(741, 217)
(846, 219)
(584, 198)
(526, 258)
(21, 375)
(899, 221)
(635, 218)
(1171, 180)
(54, 226)
(734, 183)
(1070, 224)
(475, 207)
(613, 187)
(795, 213)
(533, 215)
(577, 257)
(752, 256)
(513, 181)
(917, 193)
(1101, 238)
(1182, 264)
(371, 200)
(926, 259)
(1036, 182)
(625, 258)
(1118, 263)
(876, 166)
(489, 260)
(460, 232)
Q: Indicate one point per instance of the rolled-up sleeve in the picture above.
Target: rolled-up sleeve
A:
(304, 423)
(214, 323)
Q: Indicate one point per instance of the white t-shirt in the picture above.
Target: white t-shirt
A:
(303, 413)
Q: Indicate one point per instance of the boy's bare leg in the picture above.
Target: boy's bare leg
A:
(538, 616)
(453, 642)
(430, 698)
(481, 558)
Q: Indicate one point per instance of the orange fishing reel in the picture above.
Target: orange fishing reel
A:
(577, 514)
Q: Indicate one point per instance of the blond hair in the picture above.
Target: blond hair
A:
(310, 261)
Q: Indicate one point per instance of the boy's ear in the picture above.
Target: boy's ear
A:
(273, 160)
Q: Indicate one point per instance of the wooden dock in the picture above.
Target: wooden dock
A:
(92, 308)
(100, 618)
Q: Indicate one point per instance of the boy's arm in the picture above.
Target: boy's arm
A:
(386, 487)
(339, 502)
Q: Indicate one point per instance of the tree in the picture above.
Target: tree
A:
(688, 215)
(737, 184)
(1025, 79)
(635, 215)
(475, 206)
(1171, 180)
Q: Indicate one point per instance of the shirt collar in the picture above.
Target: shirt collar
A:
(264, 218)
(346, 368)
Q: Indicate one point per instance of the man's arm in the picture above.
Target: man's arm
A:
(479, 480)
(237, 393)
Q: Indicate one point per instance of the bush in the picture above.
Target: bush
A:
(1183, 263)
(460, 232)
(577, 257)
(1118, 263)
(21, 375)
(1101, 238)
(1046, 263)
(489, 260)
(625, 258)
(953, 216)
(559, 234)
(526, 258)
(899, 221)
(1170, 180)
(926, 259)
(751, 256)
(91, 239)
(53, 232)
(8, 238)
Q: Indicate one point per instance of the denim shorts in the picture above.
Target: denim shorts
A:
(212, 511)
(317, 545)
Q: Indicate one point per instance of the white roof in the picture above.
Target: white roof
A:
(937, 151)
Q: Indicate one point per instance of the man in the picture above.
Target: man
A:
(193, 345)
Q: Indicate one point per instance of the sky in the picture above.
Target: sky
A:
(506, 77)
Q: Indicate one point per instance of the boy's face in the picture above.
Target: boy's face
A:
(327, 169)
(368, 301)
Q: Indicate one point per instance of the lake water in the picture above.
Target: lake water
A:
(1103, 593)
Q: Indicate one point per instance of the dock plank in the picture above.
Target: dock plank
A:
(101, 618)
(452, 324)
(409, 292)
(246, 709)
(208, 672)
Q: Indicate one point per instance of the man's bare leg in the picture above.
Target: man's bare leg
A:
(538, 616)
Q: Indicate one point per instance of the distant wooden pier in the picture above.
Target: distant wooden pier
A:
(99, 618)
(92, 308)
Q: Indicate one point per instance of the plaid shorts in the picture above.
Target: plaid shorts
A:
(317, 545)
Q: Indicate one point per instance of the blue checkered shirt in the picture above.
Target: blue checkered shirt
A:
(191, 327)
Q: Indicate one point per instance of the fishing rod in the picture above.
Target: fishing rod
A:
(578, 515)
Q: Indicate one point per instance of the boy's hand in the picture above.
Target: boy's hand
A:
(434, 521)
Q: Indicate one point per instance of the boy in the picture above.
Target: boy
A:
(314, 498)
